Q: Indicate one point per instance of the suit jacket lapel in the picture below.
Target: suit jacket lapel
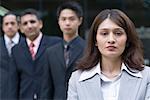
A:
(76, 50)
(92, 88)
(4, 49)
(129, 86)
(25, 49)
(74, 54)
(41, 48)
(59, 51)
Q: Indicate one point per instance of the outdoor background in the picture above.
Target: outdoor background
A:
(137, 10)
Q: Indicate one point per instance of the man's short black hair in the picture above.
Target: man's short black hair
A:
(10, 13)
(31, 11)
(70, 5)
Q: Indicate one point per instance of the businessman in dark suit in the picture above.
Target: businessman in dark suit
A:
(63, 56)
(9, 38)
(28, 58)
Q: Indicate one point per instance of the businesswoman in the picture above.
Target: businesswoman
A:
(112, 67)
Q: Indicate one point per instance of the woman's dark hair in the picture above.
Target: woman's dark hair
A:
(133, 53)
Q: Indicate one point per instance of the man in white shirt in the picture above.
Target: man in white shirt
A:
(9, 38)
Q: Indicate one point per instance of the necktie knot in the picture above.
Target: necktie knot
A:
(32, 44)
(66, 47)
(11, 42)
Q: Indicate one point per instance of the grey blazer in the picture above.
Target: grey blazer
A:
(131, 88)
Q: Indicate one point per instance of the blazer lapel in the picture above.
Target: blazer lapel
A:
(59, 51)
(129, 86)
(41, 48)
(25, 49)
(75, 52)
(4, 49)
(92, 88)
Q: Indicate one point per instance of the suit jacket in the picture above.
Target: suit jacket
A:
(131, 87)
(4, 69)
(25, 81)
(57, 74)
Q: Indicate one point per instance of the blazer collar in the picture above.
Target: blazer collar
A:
(90, 73)
(87, 74)
(134, 73)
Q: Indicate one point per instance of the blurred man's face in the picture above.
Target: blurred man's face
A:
(69, 21)
(10, 25)
(30, 26)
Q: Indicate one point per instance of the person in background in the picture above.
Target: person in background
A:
(112, 66)
(10, 29)
(10, 38)
(63, 56)
(28, 57)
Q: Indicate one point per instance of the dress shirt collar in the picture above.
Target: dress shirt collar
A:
(36, 42)
(71, 41)
(15, 39)
(87, 74)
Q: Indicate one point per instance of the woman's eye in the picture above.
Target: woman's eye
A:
(104, 33)
(118, 33)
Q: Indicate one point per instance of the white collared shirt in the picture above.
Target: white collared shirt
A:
(15, 40)
(110, 88)
(36, 42)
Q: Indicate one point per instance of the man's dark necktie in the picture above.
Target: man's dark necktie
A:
(66, 54)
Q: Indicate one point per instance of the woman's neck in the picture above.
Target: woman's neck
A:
(111, 68)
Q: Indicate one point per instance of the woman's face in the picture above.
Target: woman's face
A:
(111, 39)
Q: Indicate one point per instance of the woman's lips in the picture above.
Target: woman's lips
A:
(111, 48)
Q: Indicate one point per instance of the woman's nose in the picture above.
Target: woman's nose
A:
(111, 39)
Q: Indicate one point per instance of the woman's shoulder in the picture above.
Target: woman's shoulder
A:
(146, 71)
(77, 73)
(146, 68)
(75, 76)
